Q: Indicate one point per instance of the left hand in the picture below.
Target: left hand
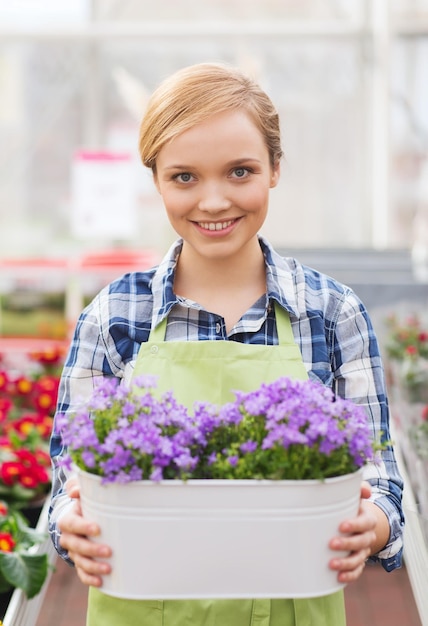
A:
(359, 537)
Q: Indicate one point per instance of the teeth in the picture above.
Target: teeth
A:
(216, 225)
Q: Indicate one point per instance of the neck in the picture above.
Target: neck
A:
(225, 273)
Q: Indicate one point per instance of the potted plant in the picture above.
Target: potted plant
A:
(237, 487)
(406, 348)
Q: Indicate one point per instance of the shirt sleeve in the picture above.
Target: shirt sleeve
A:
(359, 376)
(85, 362)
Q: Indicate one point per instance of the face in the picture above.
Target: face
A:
(214, 180)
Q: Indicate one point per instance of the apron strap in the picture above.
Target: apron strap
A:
(283, 327)
(158, 332)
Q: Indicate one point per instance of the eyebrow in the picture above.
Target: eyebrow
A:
(233, 163)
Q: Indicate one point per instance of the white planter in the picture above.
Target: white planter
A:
(220, 538)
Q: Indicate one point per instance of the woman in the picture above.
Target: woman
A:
(211, 138)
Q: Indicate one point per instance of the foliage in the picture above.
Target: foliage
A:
(20, 567)
(407, 348)
(406, 340)
(284, 430)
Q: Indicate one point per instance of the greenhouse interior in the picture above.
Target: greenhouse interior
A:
(79, 210)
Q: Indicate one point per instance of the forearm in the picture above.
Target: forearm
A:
(382, 529)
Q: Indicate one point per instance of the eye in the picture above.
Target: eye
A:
(183, 177)
(240, 172)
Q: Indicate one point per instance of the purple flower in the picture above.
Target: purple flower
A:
(285, 429)
(248, 446)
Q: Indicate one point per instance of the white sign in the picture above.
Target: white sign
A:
(103, 196)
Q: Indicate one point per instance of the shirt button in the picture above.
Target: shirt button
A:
(217, 328)
(154, 349)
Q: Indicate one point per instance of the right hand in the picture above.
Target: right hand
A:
(75, 538)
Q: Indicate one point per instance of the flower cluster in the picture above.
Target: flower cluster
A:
(283, 430)
(27, 405)
(406, 347)
(407, 339)
(20, 566)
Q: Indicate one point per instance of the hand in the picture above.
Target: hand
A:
(359, 539)
(75, 538)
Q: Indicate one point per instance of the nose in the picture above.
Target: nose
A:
(214, 198)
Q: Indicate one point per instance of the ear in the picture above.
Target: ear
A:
(275, 173)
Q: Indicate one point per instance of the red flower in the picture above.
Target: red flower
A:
(7, 542)
(44, 425)
(50, 356)
(423, 336)
(42, 458)
(26, 457)
(411, 350)
(33, 422)
(45, 394)
(23, 386)
(10, 472)
(425, 413)
(35, 477)
(4, 381)
(5, 406)
(29, 470)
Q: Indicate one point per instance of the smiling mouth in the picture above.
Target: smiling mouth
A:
(215, 225)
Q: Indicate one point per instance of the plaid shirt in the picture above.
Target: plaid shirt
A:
(329, 323)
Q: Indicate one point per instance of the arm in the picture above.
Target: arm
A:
(358, 376)
(69, 531)
(362, 536)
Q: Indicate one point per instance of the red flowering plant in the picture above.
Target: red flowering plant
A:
(27, 405)
(20, 564)
(407, 349)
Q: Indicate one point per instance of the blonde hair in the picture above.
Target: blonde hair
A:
(197, 92)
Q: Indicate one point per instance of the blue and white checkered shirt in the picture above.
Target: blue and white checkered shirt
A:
(329, 323)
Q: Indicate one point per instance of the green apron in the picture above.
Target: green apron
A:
(210, 371)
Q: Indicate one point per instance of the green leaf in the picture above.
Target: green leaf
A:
(24, 571)
(4, 585)
(17, 493)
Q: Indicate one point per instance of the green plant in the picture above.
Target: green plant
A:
(20, 567)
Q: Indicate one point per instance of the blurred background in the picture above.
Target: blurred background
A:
(349, 78)
(350, 81)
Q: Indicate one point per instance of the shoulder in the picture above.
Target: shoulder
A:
(125, 304)
(307, 290)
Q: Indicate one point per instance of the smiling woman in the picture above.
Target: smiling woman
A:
(224, 312)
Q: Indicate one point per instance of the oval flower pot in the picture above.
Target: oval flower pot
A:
(220, 538)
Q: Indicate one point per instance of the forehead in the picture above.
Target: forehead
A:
(221, 133)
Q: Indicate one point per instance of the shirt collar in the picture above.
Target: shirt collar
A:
(279, 281)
